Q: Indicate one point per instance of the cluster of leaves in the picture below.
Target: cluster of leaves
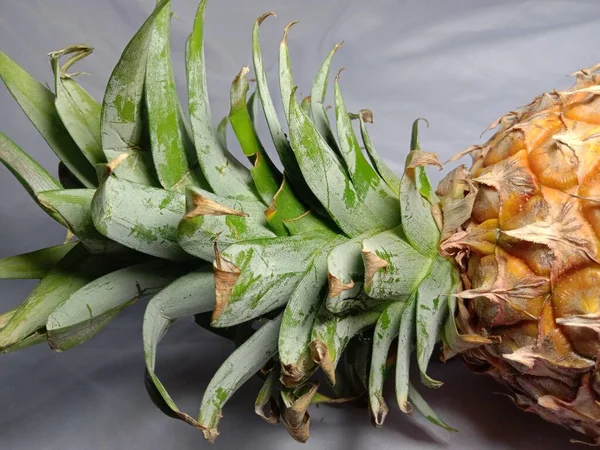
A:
(321, 265)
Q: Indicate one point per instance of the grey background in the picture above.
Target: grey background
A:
(459, 63)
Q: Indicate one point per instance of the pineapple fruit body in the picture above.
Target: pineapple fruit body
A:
(529, 256)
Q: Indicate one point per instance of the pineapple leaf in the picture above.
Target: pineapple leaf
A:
(211, 219)
(346, 269)
(454, 342)
(393, 269)
(35, 338)
(432, 311)
(86, 311)
(174, 155)
(386, 330)
(38, 104)
(371, 189)
(74, 271)
(284, 150)
(317, 97)
(358, 358)
(33, 265)
(298, 319)
(287, 215)
(406, 335)
(140, 217)
(222, 132)
(306, 107)
(264, 173)
(123, 125)
(418, 223)
(366, 116)
(244, 362)
(331, 333)
(326, 177)
(286, 79)
(250, 285)
(73, 208)
(426, 410)
(190, 294)
(78, 110)
(221, 136)
(33, 177)
(294, 405)
(252, 106)
(267, 397)
(6, 316)
(222, 174)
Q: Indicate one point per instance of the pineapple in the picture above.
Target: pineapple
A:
(529, 255)
(320, 266)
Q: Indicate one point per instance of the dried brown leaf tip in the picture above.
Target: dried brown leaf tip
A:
(366, 115)
(337, 286)
(418, 158)
(203, 206)
(373, 264)
(112, 165)
(458, 193)
(264, 17)
(226, 275)
(320, 354)
(287, 30)
(295, 412)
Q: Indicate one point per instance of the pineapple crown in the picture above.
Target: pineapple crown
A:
(319, 266)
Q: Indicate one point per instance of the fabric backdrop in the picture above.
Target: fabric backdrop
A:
(459, 63)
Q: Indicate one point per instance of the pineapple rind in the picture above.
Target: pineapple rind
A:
(529, 278)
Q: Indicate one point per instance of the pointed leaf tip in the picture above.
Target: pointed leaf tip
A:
(286, 30)
(264, 17)
(366, 115)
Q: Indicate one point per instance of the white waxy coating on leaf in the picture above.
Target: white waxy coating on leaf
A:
(73, 208)
(416, 197)
(90, 308)
(140, 217)
(123, 128)
(220, 172)
(190, 294)
(269, 270)
(74, 271)
(386, 330)
(326, 177)
(242, 364)
(331, 333)
(401, 270)
(432, 310)
(166, 127)
(299, 316)
(346, 268)
(317, 97)
(280, 141)
(405, 345)
(370, 187)
(198, 234)
(365, 116)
